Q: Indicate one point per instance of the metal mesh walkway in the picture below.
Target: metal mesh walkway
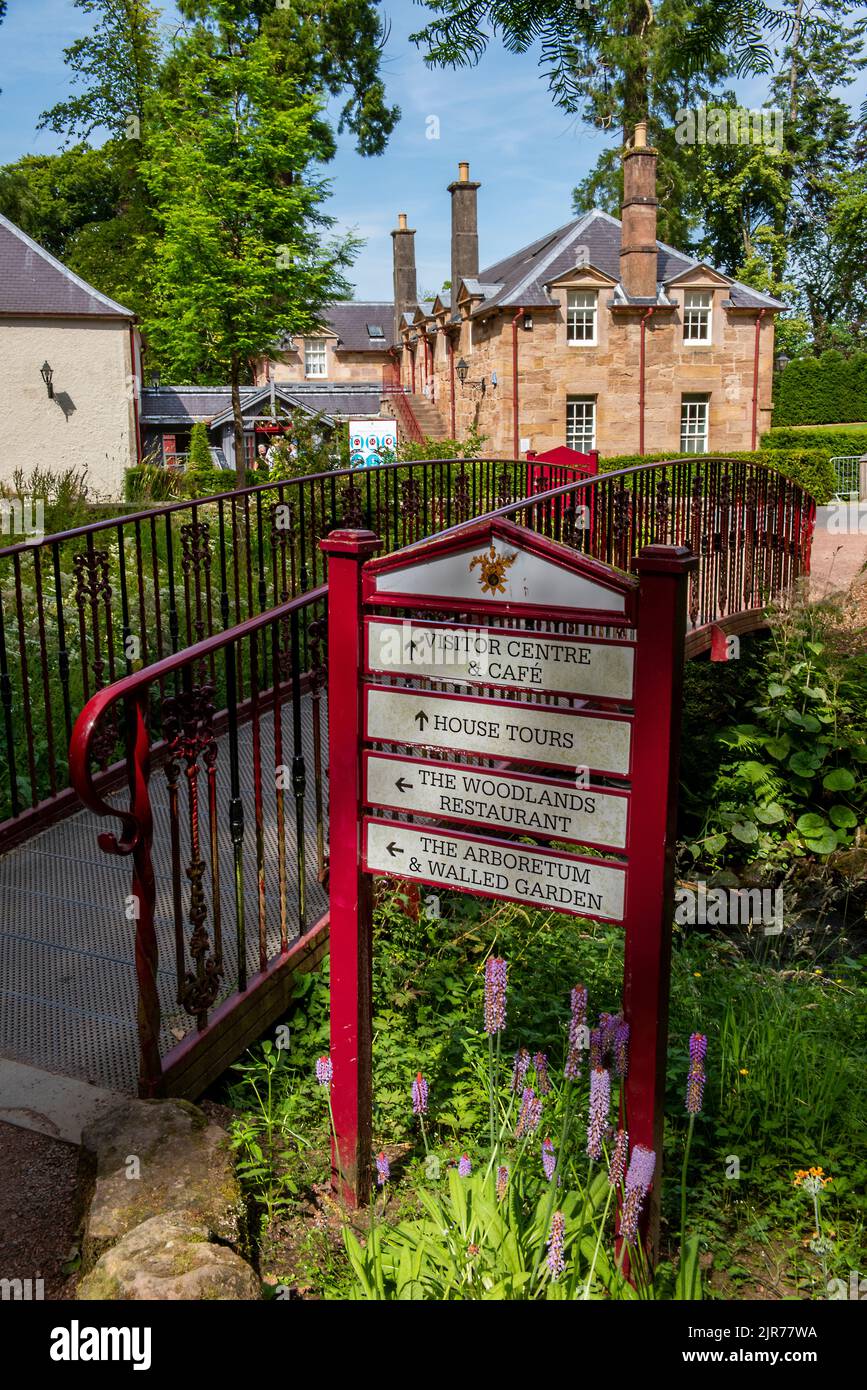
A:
(67, 976)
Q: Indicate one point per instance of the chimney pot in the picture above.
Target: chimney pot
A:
(464, 171)
(401, 221)
(640, 138)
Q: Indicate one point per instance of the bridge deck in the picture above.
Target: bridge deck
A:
(67, 976)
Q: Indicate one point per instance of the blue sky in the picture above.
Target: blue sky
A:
(527, 154)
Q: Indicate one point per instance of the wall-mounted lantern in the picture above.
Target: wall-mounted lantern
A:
(527, 323)
(46, 371)
(155, 381)
(782, 360)
(462, 370)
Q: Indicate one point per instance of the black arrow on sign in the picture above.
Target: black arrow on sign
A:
(393, 849)
(404, 786)
(421, 719)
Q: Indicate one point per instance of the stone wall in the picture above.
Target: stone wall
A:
(340, 366)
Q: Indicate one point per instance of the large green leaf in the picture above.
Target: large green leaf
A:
(843, 816)
(839, 780)
(779, 747)
(823, 844)
(745, 831)
(688, 1283)
(771, 814)
(811, 823)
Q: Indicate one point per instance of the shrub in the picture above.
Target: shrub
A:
(842, 440)
(810, 468)
(822, 390)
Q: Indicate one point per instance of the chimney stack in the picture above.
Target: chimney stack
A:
(465, 230)
(638, 232)
(403, 256)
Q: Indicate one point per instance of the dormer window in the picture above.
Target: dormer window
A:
(696, 316)
(374, 330)
(315, 357)
(581, 317)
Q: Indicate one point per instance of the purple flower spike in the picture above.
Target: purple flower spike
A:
(595, 1049)
(419, 1095)
(543, 1081)
(495, 994)
(608, 1025)
(617, 1166)
(556, 1262)
(520, 1068)
(530, 1113)
(695, 1090)
(696, 1078)
(465, 1167)
(502, 1181)
(600, 1104)
(577, 1026)
(638, 1179)
(697, 1049)
(549, 1158)
(383, 1171)
(621, 1049)
(324, 1071)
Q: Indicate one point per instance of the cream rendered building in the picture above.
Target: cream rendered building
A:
(85, 415)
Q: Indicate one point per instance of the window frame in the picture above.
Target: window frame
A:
(694, 398)
(571, 436)
(317, 343)
(704, 315)
(592, 309)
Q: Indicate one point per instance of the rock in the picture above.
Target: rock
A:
(159, 1157)
(166, 1260)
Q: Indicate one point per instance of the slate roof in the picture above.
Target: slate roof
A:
(522, 279)
(33, 282)
(185, 405)
(349, 320)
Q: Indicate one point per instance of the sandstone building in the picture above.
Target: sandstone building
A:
(597, 336)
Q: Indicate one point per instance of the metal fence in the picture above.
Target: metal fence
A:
(848, 470)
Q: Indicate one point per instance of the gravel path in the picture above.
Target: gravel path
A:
(39, 1206)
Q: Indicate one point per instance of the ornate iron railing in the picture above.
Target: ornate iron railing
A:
(80, 609)
(234, 876)
(83, 607)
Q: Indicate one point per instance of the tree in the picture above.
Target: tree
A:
(613, 63)
(116, 65)
(333, 47)
(230, 158)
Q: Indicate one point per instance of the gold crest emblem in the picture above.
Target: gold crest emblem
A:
(493, 567)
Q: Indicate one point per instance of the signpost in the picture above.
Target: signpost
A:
(577, 745)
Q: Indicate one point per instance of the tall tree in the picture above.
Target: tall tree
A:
(615, 62)
(231, 160)
(116, 66)
(325, 46)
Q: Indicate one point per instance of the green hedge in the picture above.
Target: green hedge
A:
(845, 440)
(824, 390)
(810, 468)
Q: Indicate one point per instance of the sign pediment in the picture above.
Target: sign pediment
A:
(498, 565)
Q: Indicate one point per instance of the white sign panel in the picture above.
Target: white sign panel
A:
(496, 868)
(501, 570)
(528, 805)
(499, 729)
(372, 442)
(500, 656)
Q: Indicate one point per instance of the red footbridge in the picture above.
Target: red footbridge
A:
(163, 732)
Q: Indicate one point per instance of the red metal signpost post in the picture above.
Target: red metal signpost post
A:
(664, 572)
(350, 889)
